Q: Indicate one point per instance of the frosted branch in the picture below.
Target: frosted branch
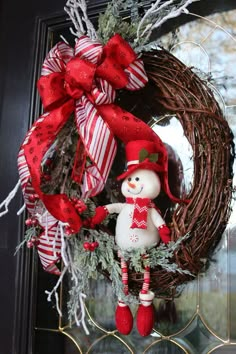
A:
(63, 244)
(55, 291)
(21, 210)
(79, 313)
(77, 11)
(158, 14)
(8, 199)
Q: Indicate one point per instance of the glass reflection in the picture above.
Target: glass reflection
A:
(171, 133)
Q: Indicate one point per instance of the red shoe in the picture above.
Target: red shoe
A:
(145, 319)
(145, 315)
(124, 319)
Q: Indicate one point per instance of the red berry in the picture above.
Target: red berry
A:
(95, 244)
(80, 206)
(86, 246)
(68, 231)
(34, 222)
(35, 240)
(28, 222)
(32, 198)
(92, 247)
(30, 244)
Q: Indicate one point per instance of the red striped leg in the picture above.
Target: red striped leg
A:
(124, 270)
(146, 281)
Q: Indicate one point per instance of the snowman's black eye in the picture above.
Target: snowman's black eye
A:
(129, 179)
(137, 179)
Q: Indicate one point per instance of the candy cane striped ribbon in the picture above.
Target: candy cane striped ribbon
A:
(49, 247)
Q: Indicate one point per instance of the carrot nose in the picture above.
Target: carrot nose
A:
(131, 185)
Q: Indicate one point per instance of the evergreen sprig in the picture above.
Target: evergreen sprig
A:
(90, 265)
(112, 21)
(161, 256)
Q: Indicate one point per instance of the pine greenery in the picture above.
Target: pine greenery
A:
(112, 21)
(103, 260)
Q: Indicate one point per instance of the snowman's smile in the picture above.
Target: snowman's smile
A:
(135, 192)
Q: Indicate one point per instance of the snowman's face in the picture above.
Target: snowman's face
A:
(141, 184)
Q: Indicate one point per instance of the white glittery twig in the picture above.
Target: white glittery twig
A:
(144, 31)
(8, 199)
(77, 11)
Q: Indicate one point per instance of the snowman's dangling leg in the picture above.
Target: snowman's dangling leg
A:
(146, 281)
(123, 315)
(124, 270)
(145, 314)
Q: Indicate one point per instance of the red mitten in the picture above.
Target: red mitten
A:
(164, 233)
(101, 213)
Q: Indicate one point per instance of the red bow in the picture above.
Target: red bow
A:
(78, 80)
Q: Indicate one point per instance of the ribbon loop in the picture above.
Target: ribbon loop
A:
(52, 90)
(118, 49)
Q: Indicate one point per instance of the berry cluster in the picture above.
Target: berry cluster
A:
(90, 246)
(78, 204)
(33, 198)
(31, 222)
(34, 241)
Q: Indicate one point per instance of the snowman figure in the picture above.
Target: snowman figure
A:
(139, 225)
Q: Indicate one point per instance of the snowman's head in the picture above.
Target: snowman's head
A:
(141, 184)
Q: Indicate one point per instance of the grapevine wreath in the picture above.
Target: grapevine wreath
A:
(66, 158)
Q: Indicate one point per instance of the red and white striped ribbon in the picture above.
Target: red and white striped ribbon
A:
(100, 144)
(57, 59)
(137, 75)
(49, 247)
(85, 48)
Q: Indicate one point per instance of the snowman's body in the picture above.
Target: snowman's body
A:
(140, 184)
(126, 237)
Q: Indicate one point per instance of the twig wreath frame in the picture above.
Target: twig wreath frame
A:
(181, 92)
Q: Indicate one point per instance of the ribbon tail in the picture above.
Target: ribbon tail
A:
(35, 145)
(49, 249)
(125, 125)
(99, 144)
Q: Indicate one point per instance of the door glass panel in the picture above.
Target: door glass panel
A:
(165, 347)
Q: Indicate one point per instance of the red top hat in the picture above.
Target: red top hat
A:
(150, 155)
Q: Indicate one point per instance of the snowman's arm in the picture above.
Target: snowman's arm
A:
(114, 208)
(101, 212)
(163, 230)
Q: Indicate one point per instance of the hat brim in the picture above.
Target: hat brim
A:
(142, 165)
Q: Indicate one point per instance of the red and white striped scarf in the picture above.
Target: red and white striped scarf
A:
(140, 213)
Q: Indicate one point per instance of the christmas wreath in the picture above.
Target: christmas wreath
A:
(65, 164)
